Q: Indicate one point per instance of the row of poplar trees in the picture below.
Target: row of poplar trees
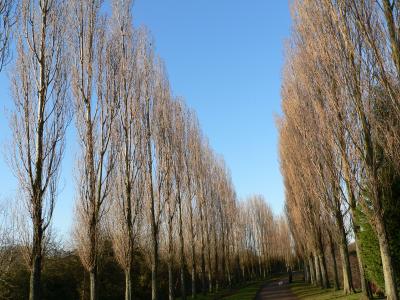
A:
(340, 138)
(145, 175)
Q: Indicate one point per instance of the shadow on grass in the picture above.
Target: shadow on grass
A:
(246, 291)
(310, 292)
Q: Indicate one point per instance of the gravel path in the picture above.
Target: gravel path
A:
(276, 290)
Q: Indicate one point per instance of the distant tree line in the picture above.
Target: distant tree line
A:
(156, 211)
(339, 140)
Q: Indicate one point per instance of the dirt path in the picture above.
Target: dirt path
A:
(276, 290)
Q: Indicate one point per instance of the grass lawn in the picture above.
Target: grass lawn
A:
(247, 292)
(310, 292)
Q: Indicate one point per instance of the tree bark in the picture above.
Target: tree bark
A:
(290, 274)
(170, 282)
(365, 287)
(170, 261)
(387, 262)
(228, 268)
(154, 268)
(223, 256)
(35, 278)
(202, 254)
(193, 252)
(347, 276)
(318, 276)
(344, 254)
(93, 284)
(210, 281)
(324, 273)
(259, 267)
(307, 272)
(209, 263)
(182, 252)
(128, 271)
(153, 223)
(36, 200)
(312, 271)
(216, 265)
(128, 285)
(322, 261)
(333, 254)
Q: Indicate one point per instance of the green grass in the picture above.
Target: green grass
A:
(310, 292)
(245, 292)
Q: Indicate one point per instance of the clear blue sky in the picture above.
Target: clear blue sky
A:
(225, 58)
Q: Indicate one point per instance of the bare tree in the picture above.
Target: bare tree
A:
(41, 115)
(179, 171)
(126, 217)
(165, 143)
(343, 76)
(156, 98)
(191, 153)
(94, 86)
(262, 220)
(7, 20)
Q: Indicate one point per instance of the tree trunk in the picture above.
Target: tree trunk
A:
(93, 255)
(36, 264)
(347, 276)
(153, 222)
(128, 285)
(193, 275)
(318, 276)
(209, 264)
(365, 287)
(183, 288)
(36, 200)
(344, 255)
(228, 272)
(324, 273)
(182, 252)
(35, 277)
(335, 270)
(170, 282)
(290, 274)
(322, 260)
(210, 281)
(170, 261)
(154, 268)
(128, 271)
(259, 267)
(228, 259)
(202, 254)
(193, 252)
(252, 268)
(312, 271)
(305, 271)
(223, 257)
(216, 266)
(93, 284)
(387, 262)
